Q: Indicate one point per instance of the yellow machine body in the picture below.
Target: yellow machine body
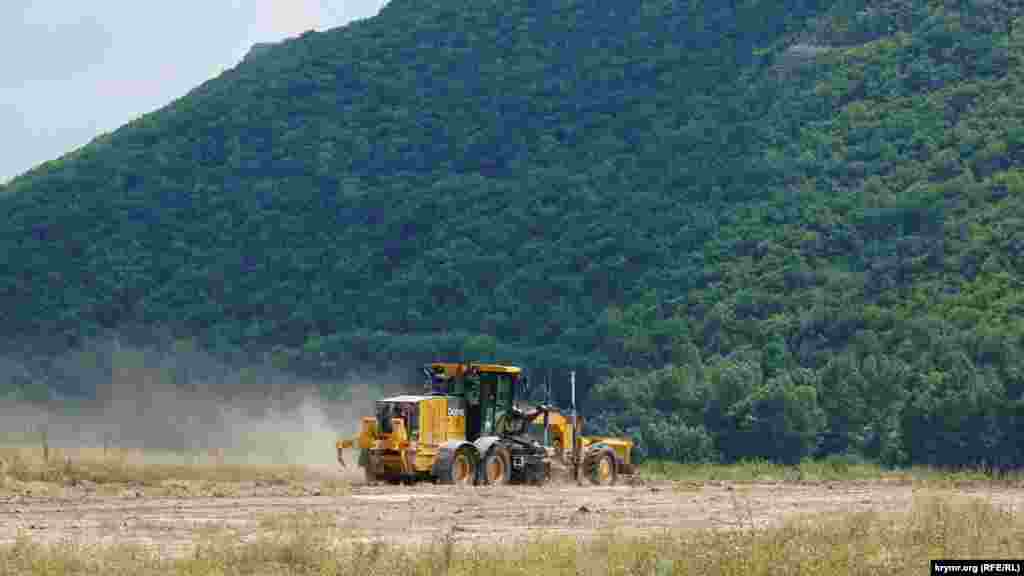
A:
(423, 425)
(447, 435)
(401, 453)
(560, 437)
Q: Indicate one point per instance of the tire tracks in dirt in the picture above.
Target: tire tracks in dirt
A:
(425, 513)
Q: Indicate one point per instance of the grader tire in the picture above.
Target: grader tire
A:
(369, 468)
(559, 450)
(497, 466)
(600, 468)
(461, 469)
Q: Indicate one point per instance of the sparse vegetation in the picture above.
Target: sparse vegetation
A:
(940, 523)
(936, 525)
(832, 469)
(113, 471)
(151, 473)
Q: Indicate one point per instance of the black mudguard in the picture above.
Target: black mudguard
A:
(484, 444)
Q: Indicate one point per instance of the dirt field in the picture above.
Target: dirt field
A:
(412, 514)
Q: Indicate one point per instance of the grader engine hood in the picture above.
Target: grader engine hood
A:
(394, 425)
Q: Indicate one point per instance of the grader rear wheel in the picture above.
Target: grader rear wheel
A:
(498, 466)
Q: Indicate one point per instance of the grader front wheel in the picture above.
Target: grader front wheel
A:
(600, 469)
(461, 469)
(559, 450)
(369, 467)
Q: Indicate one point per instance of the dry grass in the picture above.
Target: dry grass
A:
(937, 525)
(834, 469)
(112, 472)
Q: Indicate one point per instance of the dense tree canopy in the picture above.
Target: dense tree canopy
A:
(772, 228)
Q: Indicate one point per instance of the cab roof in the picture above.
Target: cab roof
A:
(454, 369)
(405, 398)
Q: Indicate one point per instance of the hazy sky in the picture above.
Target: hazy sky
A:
(72, 70)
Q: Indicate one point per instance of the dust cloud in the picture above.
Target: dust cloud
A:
(184, 403)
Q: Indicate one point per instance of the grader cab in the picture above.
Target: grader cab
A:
(467, 428)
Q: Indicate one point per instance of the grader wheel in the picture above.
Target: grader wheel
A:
(498, 466)
(369, 465)
(559, 450)
(600, 468)
(461, 468)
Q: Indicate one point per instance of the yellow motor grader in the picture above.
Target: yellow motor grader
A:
(468, 428)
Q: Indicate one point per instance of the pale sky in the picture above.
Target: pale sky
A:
(73, 70)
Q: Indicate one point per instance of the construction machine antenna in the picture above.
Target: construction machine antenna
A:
(547, 388)
(460, 373)
(547, 402)
(572, 380)
(575, 419)
(549, 384)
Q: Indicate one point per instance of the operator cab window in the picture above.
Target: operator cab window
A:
(407, 411)
(487, 394)
(457, 387)
(504, 391)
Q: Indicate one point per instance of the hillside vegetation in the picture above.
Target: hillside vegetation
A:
(758, 229)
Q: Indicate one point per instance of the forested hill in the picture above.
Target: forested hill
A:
(502, 168)
(795, 224)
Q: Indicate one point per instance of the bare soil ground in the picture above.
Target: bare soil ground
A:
(424, 513)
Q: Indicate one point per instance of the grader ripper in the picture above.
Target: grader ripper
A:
(467, 428)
